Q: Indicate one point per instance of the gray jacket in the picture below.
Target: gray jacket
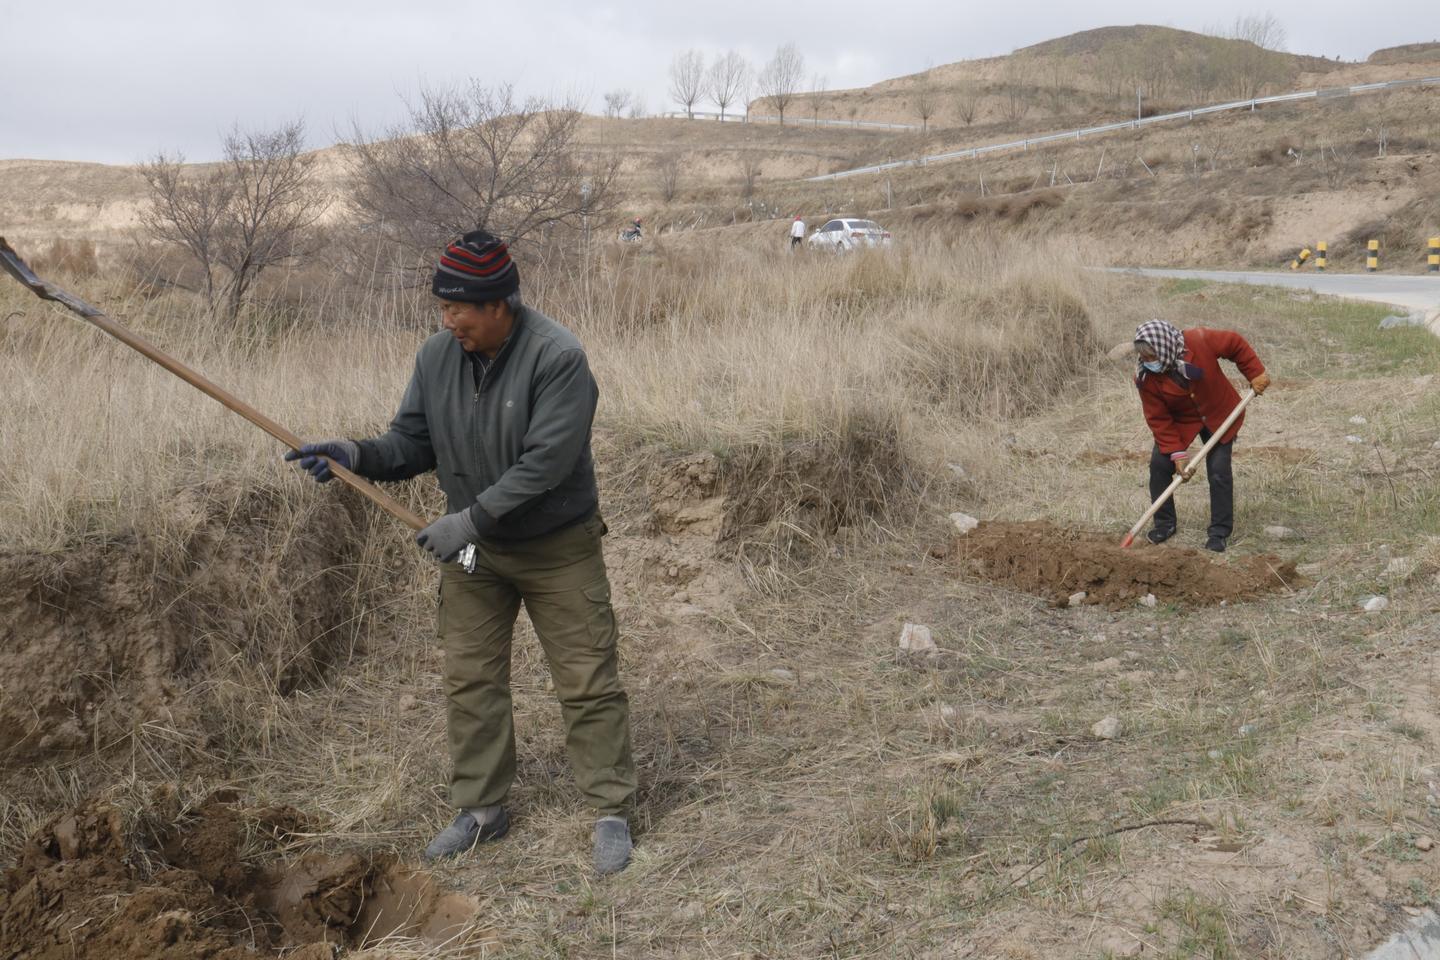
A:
(514, 439)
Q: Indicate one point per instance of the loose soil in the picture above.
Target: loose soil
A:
(107, 636)
(1052, 562)
(207, 884)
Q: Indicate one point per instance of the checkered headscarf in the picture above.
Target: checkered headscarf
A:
(1165, 339)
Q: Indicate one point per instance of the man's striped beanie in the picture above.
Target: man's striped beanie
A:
(476, 269)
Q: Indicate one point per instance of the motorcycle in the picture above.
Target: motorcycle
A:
(631, 234)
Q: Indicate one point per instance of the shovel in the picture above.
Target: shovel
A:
(1183, 475)
(17, 268)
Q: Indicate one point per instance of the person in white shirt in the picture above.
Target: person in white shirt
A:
(797, 232)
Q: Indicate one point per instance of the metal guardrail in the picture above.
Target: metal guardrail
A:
(968, 153)
(797, 121)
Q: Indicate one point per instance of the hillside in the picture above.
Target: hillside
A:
(1222, 190)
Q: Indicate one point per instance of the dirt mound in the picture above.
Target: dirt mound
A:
(109, 635)
(206, 885)
(819, 484)
(1040, 558)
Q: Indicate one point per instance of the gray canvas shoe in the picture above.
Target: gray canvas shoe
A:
(612, 845)
(466, 830)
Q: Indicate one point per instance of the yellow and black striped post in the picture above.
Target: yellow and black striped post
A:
(1299, 261)
(1372, 256)
(1433, 260)
(1320, 250)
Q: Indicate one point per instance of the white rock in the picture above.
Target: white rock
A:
(1077, 598)
(964, 523)
(1358, 420)
(780, 673)
(959, 470)
(1435, 445)
(1148, 600)
(1107, 729)
(1424, 844)
(406, 703)
(1248, 729)
(1108, 665)
(1279, 533)
(1376, 604)
(916, 638)
(1215, 755)
(947, 712)
(1351, 438)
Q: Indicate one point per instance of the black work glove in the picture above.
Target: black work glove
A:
(344, 452)
(446, 537)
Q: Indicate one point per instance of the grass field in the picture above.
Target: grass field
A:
(808, 790)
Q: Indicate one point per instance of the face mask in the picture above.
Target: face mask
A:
(1154, 366)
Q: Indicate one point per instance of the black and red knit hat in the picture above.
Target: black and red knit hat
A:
(476, 269)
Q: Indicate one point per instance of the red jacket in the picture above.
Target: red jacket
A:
(1176, 412)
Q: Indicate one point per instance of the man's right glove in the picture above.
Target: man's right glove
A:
(344, 452)
(1260, 383)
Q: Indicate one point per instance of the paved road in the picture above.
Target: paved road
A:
(1413, 293)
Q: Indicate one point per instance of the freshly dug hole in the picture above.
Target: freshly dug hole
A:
(107, 636)
(1052, 562)
(206, 884)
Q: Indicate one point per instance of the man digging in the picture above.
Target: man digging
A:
(1183, 392)
(500, 406)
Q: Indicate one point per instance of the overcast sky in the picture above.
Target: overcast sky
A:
(117, 81)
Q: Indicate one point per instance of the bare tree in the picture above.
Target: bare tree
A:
(726, 80)
(925, 108)
(615, 103)
(1264, 30)
(1252, 61)
(253, 210)
(816, 97)
(1057, 77)
(1015, 92)
(667, 169)
(687, 80)
(476, 158)
(749, 174)
(781, 78)
(637, 110)
(967, 103)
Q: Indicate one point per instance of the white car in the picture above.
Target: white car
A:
(838, 236)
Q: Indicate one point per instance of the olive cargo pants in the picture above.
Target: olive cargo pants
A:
(561, 579)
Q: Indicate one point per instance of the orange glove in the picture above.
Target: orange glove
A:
(1181, 460)
(1260, 383)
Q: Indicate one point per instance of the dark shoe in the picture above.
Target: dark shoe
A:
(612, 845)
(1215, 543)
(1159, 535)
(464, 832)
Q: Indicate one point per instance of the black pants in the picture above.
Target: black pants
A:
(1222, 488)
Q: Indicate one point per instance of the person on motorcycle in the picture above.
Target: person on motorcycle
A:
(632, 232)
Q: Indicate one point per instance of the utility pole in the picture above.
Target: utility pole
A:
(1139, 111)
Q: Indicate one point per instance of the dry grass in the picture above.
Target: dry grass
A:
(864, 804)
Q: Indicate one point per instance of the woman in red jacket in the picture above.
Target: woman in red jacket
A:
(1184, 393)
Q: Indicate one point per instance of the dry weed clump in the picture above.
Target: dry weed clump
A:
(75, 259)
